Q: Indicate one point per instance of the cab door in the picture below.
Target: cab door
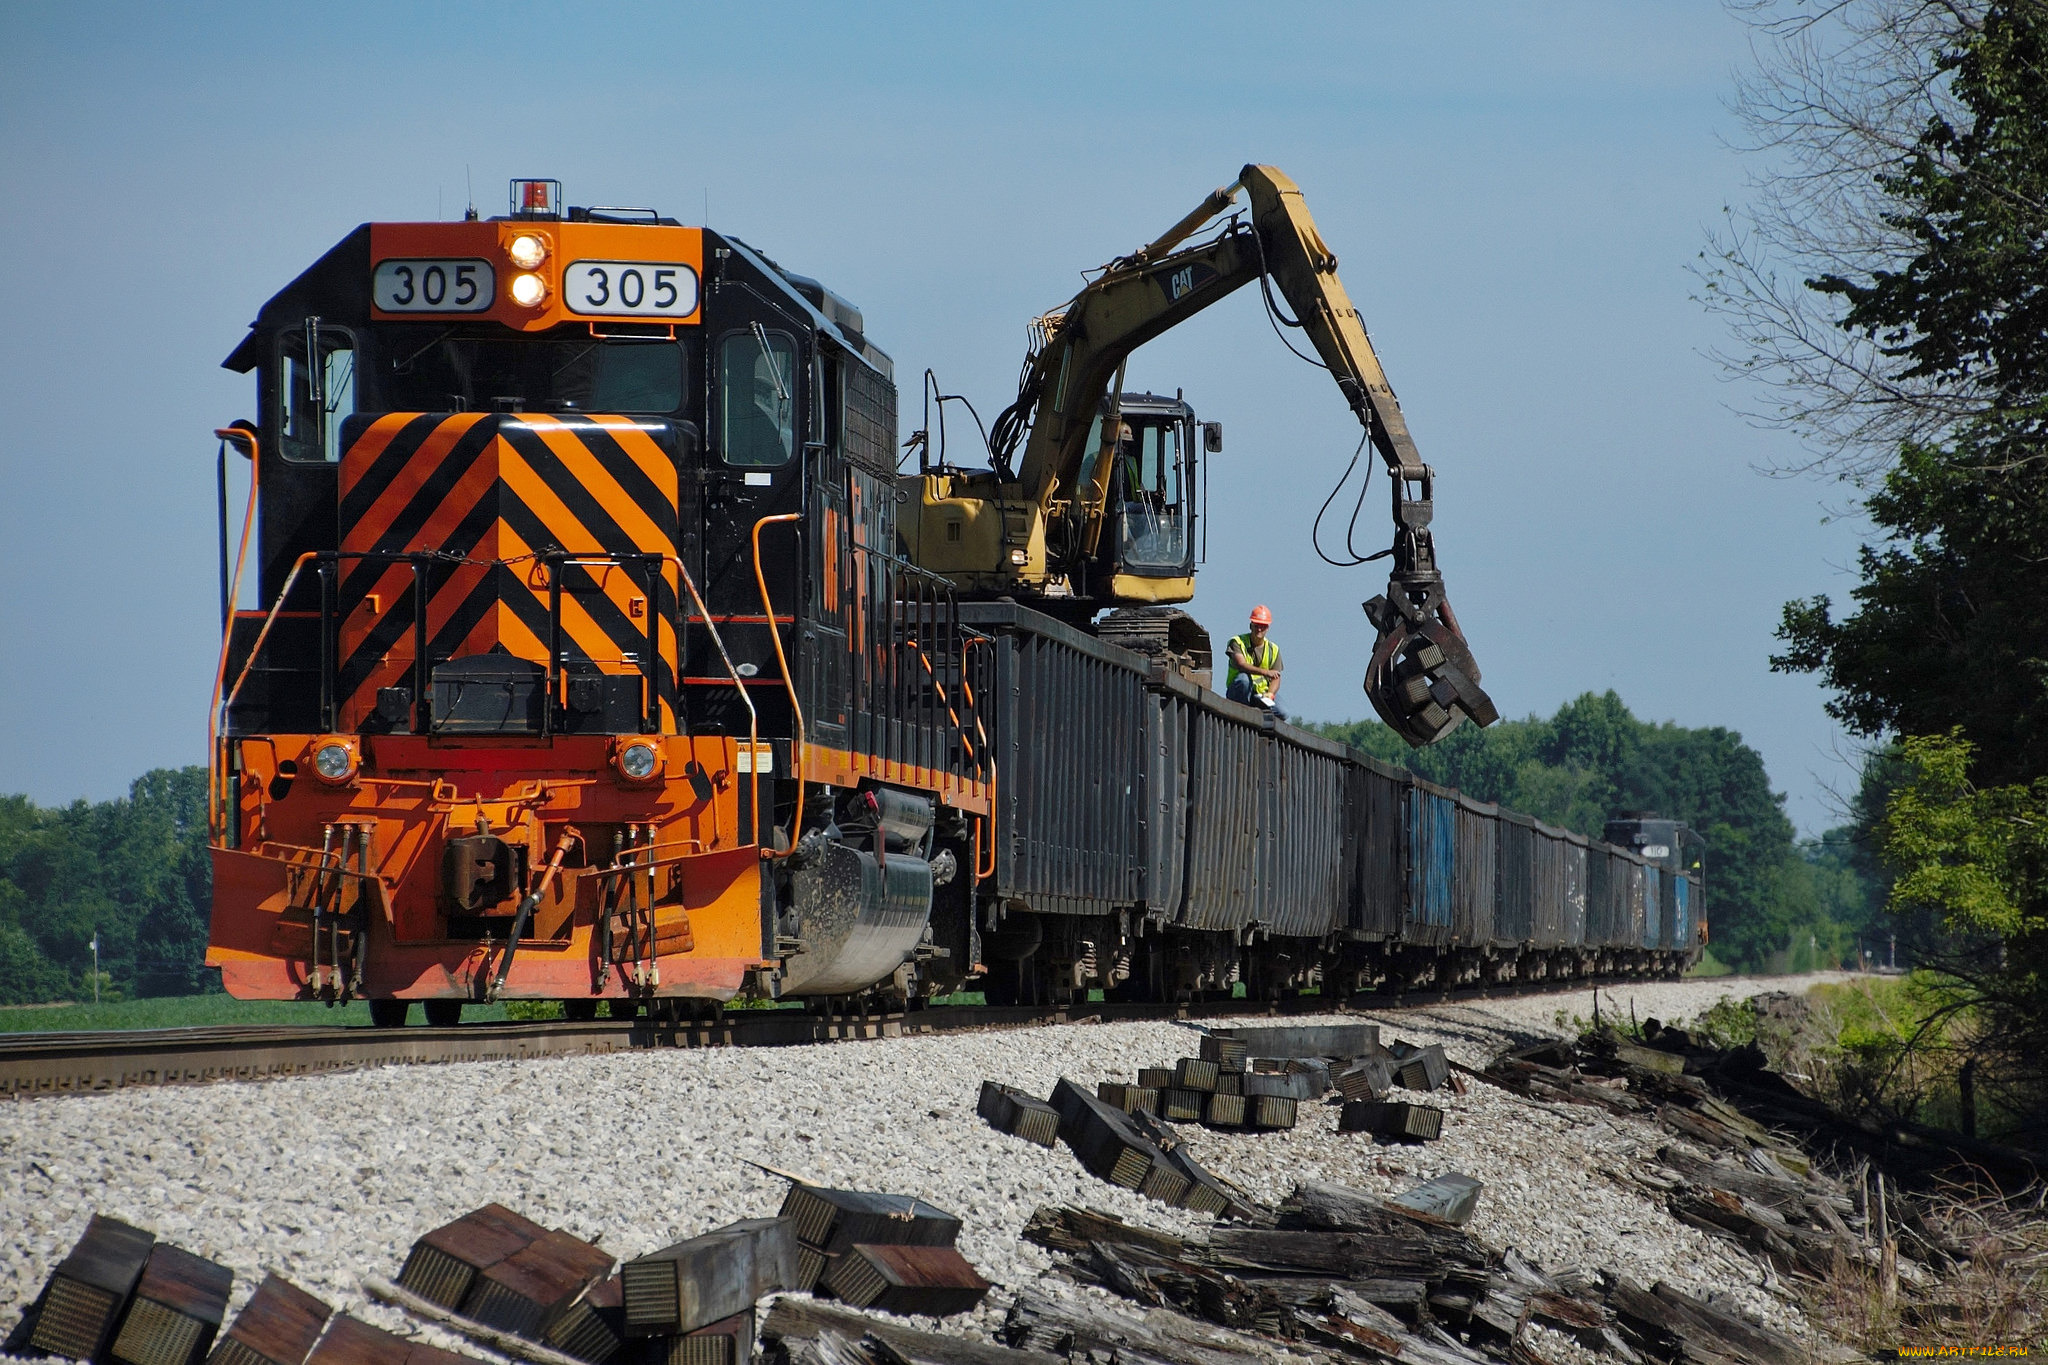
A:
(753, 467)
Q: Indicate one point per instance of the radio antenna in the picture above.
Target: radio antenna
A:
(469, 187)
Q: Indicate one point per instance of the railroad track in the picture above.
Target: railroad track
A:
(33, 1065)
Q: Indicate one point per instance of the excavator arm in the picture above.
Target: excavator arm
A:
(1422, 679)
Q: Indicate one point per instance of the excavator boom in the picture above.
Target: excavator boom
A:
(1050, 511)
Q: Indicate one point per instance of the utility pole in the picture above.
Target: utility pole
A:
(95, 966)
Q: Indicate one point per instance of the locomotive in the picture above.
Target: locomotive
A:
(587, 663)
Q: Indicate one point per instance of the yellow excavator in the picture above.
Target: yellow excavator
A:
(1098, 512)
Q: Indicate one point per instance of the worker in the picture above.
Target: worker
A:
(1254, 676)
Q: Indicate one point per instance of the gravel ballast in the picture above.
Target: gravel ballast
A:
(329, 1179)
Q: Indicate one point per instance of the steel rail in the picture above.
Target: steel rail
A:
(74, 1063)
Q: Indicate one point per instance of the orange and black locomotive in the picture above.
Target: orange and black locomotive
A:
(575, 569)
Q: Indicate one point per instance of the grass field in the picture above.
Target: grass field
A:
(186, 1011)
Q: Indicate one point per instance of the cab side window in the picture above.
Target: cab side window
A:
(757, 387)
(313, 399)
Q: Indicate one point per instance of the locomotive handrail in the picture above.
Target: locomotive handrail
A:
(217, 803)
(796, 751)
(739, 685)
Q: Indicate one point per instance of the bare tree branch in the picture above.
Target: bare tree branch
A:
(1839, 94)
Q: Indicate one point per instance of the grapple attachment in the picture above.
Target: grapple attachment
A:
(1422, 679)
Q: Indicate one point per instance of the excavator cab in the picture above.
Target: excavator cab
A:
(1147, 544)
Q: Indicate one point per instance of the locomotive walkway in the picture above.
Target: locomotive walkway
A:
(85, 1062)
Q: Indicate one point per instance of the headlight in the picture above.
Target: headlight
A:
(527, 252)
(1018, 558)
(334, 761)
(528, 290)
(637, 761)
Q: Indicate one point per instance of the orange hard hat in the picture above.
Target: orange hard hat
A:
(1260, 616)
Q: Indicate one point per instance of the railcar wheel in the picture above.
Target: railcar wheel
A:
(443, 1013)
(579, 1011)
(389, 1013)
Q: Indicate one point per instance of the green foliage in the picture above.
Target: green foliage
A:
(134, 871)
(1950, 626)
(1595, 759)
(1977, 855)
(532, 1009)
(1971, 305)
(1727, 1023)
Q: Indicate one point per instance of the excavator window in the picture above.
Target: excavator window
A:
(1149, 483)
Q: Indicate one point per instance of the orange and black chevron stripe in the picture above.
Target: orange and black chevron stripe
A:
(488, 495)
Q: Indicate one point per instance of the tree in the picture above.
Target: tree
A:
(1915, 356)
(1977, 857)
(1950, 626)
(134, 872)
(1840, 100)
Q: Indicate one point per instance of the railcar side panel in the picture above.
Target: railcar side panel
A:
(1432, 864)
(1223, 821)
(1478, 836)
(1520, 867)
(1072, 835)
(1378, 849)
(1653, 906)
(1167, 773)
(1578, 860)
(1299, 874)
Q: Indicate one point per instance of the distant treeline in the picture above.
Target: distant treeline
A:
(133, 871)
(1775, 904)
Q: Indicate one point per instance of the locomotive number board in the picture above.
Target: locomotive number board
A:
(434, 286)
(654, 289)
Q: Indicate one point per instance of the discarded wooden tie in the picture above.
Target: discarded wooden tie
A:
(1009, 1110)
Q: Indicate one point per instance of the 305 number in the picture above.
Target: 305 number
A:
(661, 289)
(426, 286)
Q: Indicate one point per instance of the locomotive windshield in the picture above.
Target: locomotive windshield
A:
(443, 370)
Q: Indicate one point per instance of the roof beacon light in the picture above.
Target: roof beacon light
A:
(536, 199)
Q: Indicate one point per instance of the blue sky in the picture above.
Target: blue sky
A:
(1514, 191)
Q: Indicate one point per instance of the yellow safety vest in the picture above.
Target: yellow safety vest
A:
(1265, 655)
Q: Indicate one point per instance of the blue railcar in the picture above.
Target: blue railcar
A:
(1432, 864)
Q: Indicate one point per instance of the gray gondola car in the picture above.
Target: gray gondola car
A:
(1071, 829)
(1154, 838)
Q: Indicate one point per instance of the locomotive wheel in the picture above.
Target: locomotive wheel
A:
(579, 1011)
(443, 1013)
(389, 1013)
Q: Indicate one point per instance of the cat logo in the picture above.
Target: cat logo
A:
(1182, 284)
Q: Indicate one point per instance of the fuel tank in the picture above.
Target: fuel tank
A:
(859, 918)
